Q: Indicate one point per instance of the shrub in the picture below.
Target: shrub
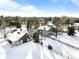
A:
(49, 47)
(41, 43)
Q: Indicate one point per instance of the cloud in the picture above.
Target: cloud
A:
(68, 14)
(9, 7)
(9, 4)
(76, 2)
(12, 8)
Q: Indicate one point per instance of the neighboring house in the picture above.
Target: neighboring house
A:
(24, 28)
(47, 29)
(50, 24)
(44, 30)
(76, 26)
(53, 28)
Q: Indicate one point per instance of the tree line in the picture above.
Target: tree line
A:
(9, 20)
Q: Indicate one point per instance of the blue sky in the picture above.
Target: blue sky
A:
(51, 5)
(40, 7)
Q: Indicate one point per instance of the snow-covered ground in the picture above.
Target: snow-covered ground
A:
(69, 39)
(19, 52)
(64, 47)
(31, 50)
(70, 44)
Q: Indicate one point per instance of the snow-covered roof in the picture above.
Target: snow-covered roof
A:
(44, 28)
(15, 36)
(65, 29)
(76, 24)
(51, 24)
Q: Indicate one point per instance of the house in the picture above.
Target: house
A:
(50, 24)
(76, 26)
(44, 30)
(47, 29)
(18, 37)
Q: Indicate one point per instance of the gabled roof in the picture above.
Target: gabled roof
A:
(16, 36)
(51, 24)
(44, 28)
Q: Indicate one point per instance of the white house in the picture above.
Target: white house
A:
(50, 24)
(18, 37)
(76, 25)
(44, 29)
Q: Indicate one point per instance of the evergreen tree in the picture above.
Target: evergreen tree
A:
(0, 22)
(71, 31)
(36, 37)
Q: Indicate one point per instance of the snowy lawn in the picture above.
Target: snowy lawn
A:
(31, 50)
(71, 40)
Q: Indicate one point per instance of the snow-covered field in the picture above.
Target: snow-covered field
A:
(30, 50)
(63, 47)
